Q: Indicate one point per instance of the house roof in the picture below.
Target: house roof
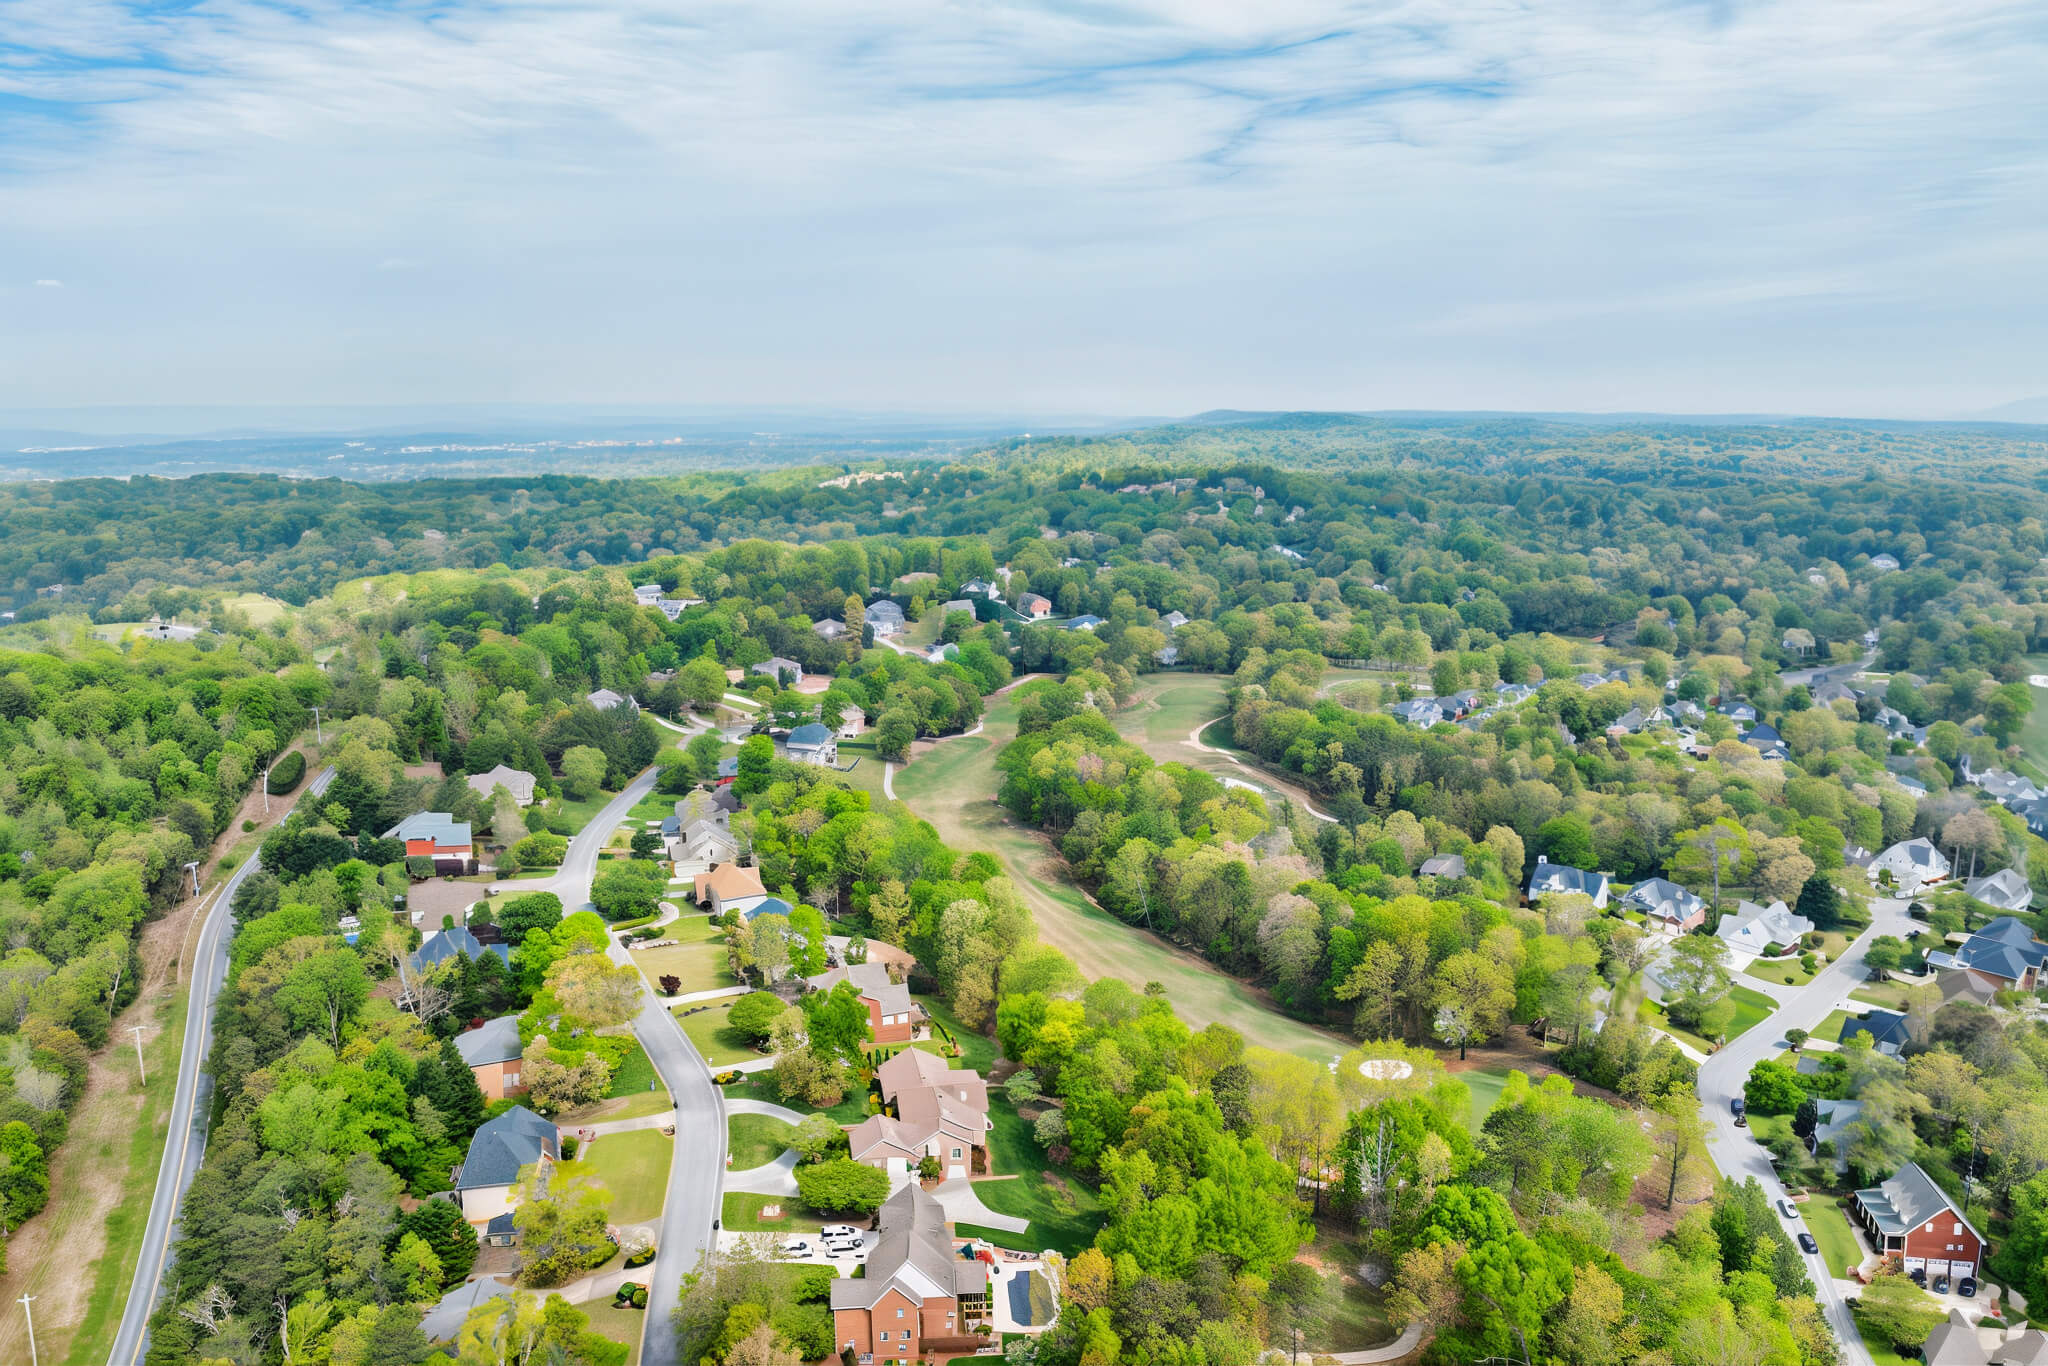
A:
(776, 665)
(882, 607)
(770, 905)
(439, 826)
(1954, 1343)
(1960, 984)
(812, 736)
(1883, 1027)
(1909, 1200)
(492, 1041)
(443, 945)
(876, 1133)
(1444, 865)
(1753, 928)
(729, 880)
(913, 1256)
(871, 979)
(1919, 854)
(1664, 899)
(1085, 622)
(604, 699)
(504, 1145)
(516, 781)
(829, 629)
(2005, 889)
(1559, 877)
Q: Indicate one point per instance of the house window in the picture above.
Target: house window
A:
(899, 1313)
(883, 1335)
(1959, 1230)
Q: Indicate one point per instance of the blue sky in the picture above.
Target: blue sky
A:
(1830, 206)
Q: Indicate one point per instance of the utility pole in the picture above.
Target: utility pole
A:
(317, 735)
(266, 791)
(139, 1067)
(23, 1302)
(193, 869)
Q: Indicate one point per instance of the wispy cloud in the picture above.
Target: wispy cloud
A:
(1132, 205)
(49, 284)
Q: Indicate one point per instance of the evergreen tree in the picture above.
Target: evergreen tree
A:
(440, 1224)
(459, 1099)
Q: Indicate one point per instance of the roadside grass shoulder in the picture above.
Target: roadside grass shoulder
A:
(634, 1168)
(1838, 1246)
(757, 1140)
(741, 1213)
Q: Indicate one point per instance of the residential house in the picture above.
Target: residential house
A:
(1689, 713)
(940, 1112)
(604, 699)
(1291, 553)
(981, 588)
(1422, 711)
(785, 671)
(1832, 692)
(1884, 563)
(851, 723)
(1589, 681)
(647, 594)
(2004, 952)
(812, 744)
(1738, 711)
(494, 1053)
(1954, 1342)
(673, 608)
(1912, 1222)
(444, 946)
(1755, 929)
(1913, 864)
(2006, 889)
(892, 1016)
(828, 629)
(1461, 704)
(1668, 906)
(768, 905)
(702, 845)
(728, 769)
(942, 651)
(1550, 879)
(1889, 1031)
(1173, 621)
(435, 835)
(488, 1179)
(728, 887)
(952, 605)
(1444, 865)
(919, 1300)
(1087, 621)
(1631, 722)
(1034, 605)
(516, 781)
(1960, 984)
(885, 618)
(1166, 656)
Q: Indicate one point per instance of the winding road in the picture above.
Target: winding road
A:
(1736, 1151)
(185, 1145)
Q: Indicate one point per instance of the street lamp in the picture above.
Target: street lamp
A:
(317, 735)
(266, 791)
(193, 869)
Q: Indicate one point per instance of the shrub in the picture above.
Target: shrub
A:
(640, 1297)
(247, 826)
(285, 773)
(728, 1078)
(670, 984)
(418, 867)
(842, 1185)
(569, 1147)
(541, 850)
(755, 1014)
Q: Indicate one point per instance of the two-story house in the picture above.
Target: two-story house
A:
(435, 835)
(892, 1015)
(501, 1148)
(493, 1053)
(1666, 905)
(941, 1112)
(919, 1299)
(1549, 879)
(728, 887)
(1911, 1221)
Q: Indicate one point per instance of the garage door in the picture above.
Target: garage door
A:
(1913, 1264)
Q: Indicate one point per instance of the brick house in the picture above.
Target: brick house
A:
(436, 835)
(892, 1016)
(1912, 1221)
(940, 1112)
(494, 1055)
(919, 1299)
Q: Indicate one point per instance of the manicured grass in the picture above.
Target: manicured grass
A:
(698, 957)
(1788, 972)
(2034, 730)
(867, 774)
(620, 1325)
(1830, 1226)
(1876, 1343)
(742, 1214)
(1830, 1029)
(757, 1140)
(977, 1051)
(634, 1168)
(1063, 1212)
(1889, 995)
(1485, 1084)
(851, 1109)
(718, 1042)
(582, 812)
(1751, 1008)
(635, 1073)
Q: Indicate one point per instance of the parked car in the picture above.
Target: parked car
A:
(1785, 1208)
(1941, 1285)
(851, 1247)
(1967, 1288)
(1807, 1245)
(832, 1231)
(1918, 1276)
(796, 1247)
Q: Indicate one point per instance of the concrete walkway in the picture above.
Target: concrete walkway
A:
(889, 781)
(775, 1178)
(1410, 1339)
(1194, 741)
(710, 995)
(623, 1126)
(962, 1204)
(764, 1107)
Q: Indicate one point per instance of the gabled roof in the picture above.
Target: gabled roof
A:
(1885, 1027)
(1444, 865)
(1909, 1200)
(1919, 854)
(729, 880)
(1558, 877)
(604, 699)
(883, 607)
(443, 945)
(812, 736)
(1664, 899)
(2005, 889)
(504, 1145)
(1753, 928)
(772, 905)
(878, 1133)
(913, 1256)
(516, 781)
(775, 666)
(492, 1041)
(871, 979)
(439, 826)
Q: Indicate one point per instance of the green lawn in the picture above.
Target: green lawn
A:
(1751, 1008)
(698, 956)
(577, 814)
(867, 774)
(1358, 1315)
(1889, 995)
(757, 1140)
(852, 1109)
(634, 1167)
(619, 1325)
(1830, 1226)
(742, 1214)
(1877, 1344)
(718, 1042)
(977, 1051)
(1485, 1084)
(1063, 1212)
(2034, 730)
(1830, 1029)
(1788, 972)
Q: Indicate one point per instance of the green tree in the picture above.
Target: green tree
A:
(529, 911)
(754, 1015)
(583, 770)
(836, 1021)
(1772, 1089)
(842, 1186)
(628, 889)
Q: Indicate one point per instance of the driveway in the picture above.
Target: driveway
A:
(962, 1204)
(1735, 1150)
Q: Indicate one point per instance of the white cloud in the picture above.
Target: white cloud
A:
(49, 284)
(1138, 206)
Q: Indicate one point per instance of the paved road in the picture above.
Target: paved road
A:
(1735, 1150)
(191, 1114)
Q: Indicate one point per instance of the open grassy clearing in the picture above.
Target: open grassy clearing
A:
(757, 1140)
(1357, 1310)
(1751, 1009)
(742, 1214)
(1064, 1213)
(867, 774)
(619, 1325)
(1485, 1084)
(698, 957)
(634, 1167)
(1830, 1226)
(977, 1051)
(1889, 995)
(851, 1109)
(2033, 738)
(716, 1041)
(952, 785)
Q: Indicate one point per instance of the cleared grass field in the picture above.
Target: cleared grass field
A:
(953, 784)
(1838, 1246)
(756, 1140)
(634, 1168)
(720, 1044)
(1064, 1213)
(698, 958)
(1751, 1009)
(1485, 1084)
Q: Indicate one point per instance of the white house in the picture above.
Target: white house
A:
(812, 744)
(604, 699)
(885, 618)
(516, 781)
(2005, 889)
(776, 666)
(1752, 929)
(1913, 864)
(647, 594)
(1550, 879)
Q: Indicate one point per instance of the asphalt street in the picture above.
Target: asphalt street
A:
(1735, 1149)
(191, 1114)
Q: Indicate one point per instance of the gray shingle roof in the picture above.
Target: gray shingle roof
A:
(871, 979)
(913, 1255)
(1909, 1200)
(492, 1041)
(1559, 877)
(439, 826)
(442, 945)
(504, 1145)
(809, 737)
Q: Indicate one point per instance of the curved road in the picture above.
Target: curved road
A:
(1736, 1151)
(185, 1144)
